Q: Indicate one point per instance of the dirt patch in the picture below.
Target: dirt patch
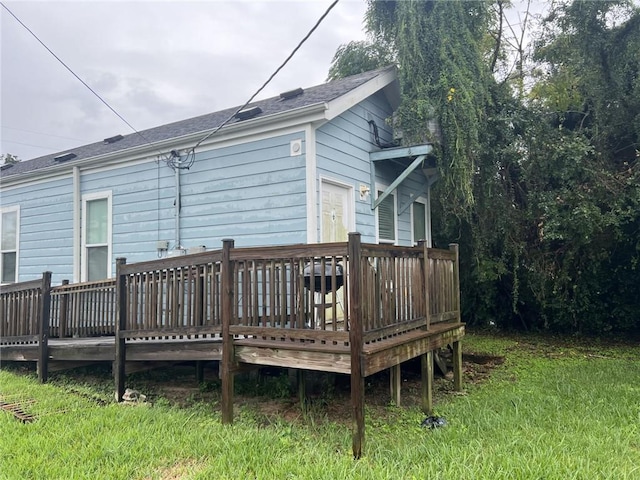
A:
(270, 396)
(179, 470)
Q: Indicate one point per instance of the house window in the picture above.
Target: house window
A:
(419, 220)
(9, 228)
(387, 219)
(96, 248)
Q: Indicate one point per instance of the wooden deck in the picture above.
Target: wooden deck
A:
(348, 308)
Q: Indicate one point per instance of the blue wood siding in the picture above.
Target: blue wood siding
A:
(142, 198)
(343, 147)
(254, 193)
(46, 228)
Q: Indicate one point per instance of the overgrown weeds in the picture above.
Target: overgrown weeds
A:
(550, 408)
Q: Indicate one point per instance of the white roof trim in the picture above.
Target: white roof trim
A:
(345, 102)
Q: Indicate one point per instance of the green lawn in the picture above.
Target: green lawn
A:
(553, 410)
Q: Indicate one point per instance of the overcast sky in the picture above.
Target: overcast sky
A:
(154, 61)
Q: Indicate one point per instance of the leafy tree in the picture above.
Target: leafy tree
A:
(440, 48)
(584, 174)
(359, 56)
(8, 158)
(541, 185)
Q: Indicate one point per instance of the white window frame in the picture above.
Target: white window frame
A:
(84, 265)
(3, 210)
(381, 187)
(427, 220)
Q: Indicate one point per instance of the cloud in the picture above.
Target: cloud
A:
(155, 62)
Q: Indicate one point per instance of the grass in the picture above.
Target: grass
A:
(555, 409)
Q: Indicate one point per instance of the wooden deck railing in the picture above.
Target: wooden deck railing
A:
(83, 309)
(170, 297)
(290, 293)
(444, 285)
(294, 293)
(24, 317)
(298, 293)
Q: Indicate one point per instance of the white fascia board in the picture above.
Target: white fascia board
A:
(237, 131)
(218, 143)
(6, 186)
(251, 130)
(311, 184)
(345, 102)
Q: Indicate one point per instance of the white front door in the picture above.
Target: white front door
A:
(337, 212)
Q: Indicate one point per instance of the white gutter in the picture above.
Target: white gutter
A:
(311, 174)
(177, 213)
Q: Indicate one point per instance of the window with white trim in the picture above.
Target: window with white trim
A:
(386, 215)
(9, 242)
(419, 221)
(96, 236)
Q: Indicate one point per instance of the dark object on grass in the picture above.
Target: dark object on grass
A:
(434, 422)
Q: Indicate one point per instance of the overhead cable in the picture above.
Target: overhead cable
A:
(175, 161)
(74, 73)
(293, 52)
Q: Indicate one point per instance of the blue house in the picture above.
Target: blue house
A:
(306, 166)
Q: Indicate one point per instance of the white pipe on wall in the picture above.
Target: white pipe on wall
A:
(76, 224)
(177, 212)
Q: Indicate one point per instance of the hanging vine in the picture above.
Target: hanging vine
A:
(440, 48)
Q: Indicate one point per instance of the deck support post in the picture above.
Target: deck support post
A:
(395, 380)
(356, 342)
(301, 380)
(199, 371)
(457, 366)
(119, 363)
(226, 363)
(426, 364)
(457, 346)
(426, 275)
(64, 312)
(43, 335)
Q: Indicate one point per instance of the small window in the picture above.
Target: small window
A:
(9, 228)
(387, 219)
(96, 252)
(419, 219)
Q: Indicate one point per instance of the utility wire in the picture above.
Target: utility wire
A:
(74, 73)
(313, 29)
(172, 160)
(52, 149)
(42, 133)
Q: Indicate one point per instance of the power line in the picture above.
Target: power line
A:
(172, 159)
(74, 73)
(293, 52)
(42, 133)
(53, 149)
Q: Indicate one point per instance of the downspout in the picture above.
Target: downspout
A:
(77, 205)
(177, 204)
(311, 178)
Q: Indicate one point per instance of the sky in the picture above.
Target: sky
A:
(154, 62)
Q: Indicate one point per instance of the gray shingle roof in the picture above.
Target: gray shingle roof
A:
(319, 94)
